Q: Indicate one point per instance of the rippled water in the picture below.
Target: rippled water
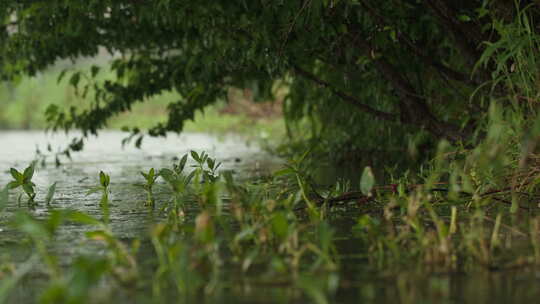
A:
(123, 164)
(358, 283)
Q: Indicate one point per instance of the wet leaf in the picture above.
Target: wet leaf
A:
(50, 194)
(13, 184)
(190, 177)
(210, 163)
(28, 189)
(16, 174)
(138, 142)
(167, 175)
(367, 182)
(284, 171)
(183, 162)
(195, 156)
(104, 179)
(83, 218)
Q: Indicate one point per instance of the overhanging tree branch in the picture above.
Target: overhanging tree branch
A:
(413, 107)
(465, 39)
(418, 51)
(344, 96)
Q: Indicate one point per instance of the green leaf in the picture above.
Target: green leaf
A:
(183, 161)
(211, 163)
(13, 184)
(167, 175)
(284, 171)
(464, 18)
(367, 182)
(104, 179)
(104, 201)
(190, 177)
(16, 174)
(280, 225)
(195, 156)
(138, 142)
(29, 189)
(203, 157)
(50, 194)
(83, 218)
(28, 173)
(61, 76)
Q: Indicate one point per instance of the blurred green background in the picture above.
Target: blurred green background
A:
(23, 103)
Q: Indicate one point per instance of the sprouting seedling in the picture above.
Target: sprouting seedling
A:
(203, 160)
(150, 179)
(24, 180)
(175, 177)
(104, 182)
(177, 181)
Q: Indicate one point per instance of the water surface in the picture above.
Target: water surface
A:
(358, 281)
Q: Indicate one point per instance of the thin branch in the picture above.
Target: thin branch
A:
(461, 37)
(346, 97)
(362, 198)
(418, 52)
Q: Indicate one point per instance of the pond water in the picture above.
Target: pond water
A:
(357, 282)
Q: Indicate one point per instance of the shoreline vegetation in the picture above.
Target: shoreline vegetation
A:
(436, 116)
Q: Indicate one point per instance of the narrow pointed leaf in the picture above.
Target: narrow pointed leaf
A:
(195, 156)
(183, 162)
(16, 174)
(367, 182)
(29, 172)
(50, 194)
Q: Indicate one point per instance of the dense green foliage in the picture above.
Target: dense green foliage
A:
(375, 70)
(364, 74)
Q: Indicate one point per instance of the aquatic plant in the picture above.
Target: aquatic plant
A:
(103, 187)
(150, 179)
(24, 180)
